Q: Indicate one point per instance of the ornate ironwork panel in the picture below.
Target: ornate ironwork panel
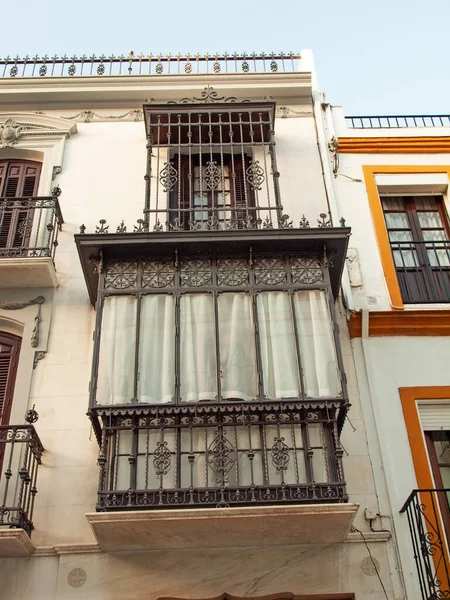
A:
(218, 455)
(195, 272)
(157, 273)
(270, 271)
(306, 270)
(232, 272)
(121, 275)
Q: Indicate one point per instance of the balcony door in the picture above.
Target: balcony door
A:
(9, 358)
(419, 237)
(438, 448)
(18, 180)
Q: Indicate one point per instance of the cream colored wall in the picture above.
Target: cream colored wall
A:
(252, 571)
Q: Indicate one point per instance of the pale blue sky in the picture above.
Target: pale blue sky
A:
(384, 57)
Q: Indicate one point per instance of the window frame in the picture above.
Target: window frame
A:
(128, 278)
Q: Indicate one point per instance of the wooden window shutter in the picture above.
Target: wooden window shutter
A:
(17, 179)
(9, 359)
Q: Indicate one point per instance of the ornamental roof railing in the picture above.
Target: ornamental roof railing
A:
(149, 64)
(397, 121)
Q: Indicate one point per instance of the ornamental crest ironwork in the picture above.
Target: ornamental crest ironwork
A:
(10, 132)
(221, 456)
(255, 175)
(211, 175)
(270, 270)
(121, 275)
(168, 177)
(232, 271)
(157, 274)
(195, 273)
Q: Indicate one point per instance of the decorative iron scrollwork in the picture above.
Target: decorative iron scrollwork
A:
(232, 271)
(280, 454)
(211, 175)
(270, 270)
(121, 275)
(208, 96)
(103, 227)
(304, 223)
(221, 456)
(162, 459)
(255, 175)
(306, 270)
(157, 274)
(195, 273)
(168, 177)
(325, 220)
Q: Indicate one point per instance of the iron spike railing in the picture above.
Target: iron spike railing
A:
(20, 456)
(29, 226)
(397, 121)
(149, 64)
(428, 514)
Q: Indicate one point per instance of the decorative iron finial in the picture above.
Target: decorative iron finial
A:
(56, 191)
(31, 416)
(82, 229)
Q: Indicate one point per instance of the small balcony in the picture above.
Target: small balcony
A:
(185, 476)
(29, 230)
(428, 513)
(20, 457)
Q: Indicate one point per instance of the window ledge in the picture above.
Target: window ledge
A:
(27, 272)
(15, 543)
(223, 527)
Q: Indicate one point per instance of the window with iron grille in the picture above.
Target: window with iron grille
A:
(212, 167)
(216, 329)
(18, 179)
(420, 243)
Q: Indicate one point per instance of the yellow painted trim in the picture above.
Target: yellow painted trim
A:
(376, 209)
(394, 145)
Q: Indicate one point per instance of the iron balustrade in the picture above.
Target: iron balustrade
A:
(29, 226)
(428, 519)
(219, 455)
(423, 270)
(397, 121)
(150, 64)
(20, 456)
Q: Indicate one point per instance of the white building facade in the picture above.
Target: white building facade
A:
(172, 263)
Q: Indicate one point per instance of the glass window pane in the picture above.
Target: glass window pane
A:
(393, 203)
(115, 378)
(430, 219)
(317, 348)
(198, 374)
(397, 220)
(238, 368)
(277, 342)
(157, 349)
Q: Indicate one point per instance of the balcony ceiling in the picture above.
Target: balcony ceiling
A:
(27, 272)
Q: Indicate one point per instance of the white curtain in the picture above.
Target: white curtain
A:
(238, 370)
(317, 349)
(156, 381)
(198, 376)
(277, 343)
(115, 378)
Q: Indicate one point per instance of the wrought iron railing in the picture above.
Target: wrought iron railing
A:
(149, 64)
(20, 456)
(213, 456)
(423, 270)
(29, 226)
(428, 518)
(397, 121)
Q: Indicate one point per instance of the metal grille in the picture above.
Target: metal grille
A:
(211, 167)
(397, 121)
(212, 456)
(150, 64)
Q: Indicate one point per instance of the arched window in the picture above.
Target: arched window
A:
(9, 358)
(18, 179)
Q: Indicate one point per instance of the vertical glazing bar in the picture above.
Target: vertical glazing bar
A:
(297, 342)
(178, 373)
(181, 200)
(190, 175)
(294, 446)
(216, 329)
(212, 187)
(226, 216)
(243, 163)
(137, 349)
